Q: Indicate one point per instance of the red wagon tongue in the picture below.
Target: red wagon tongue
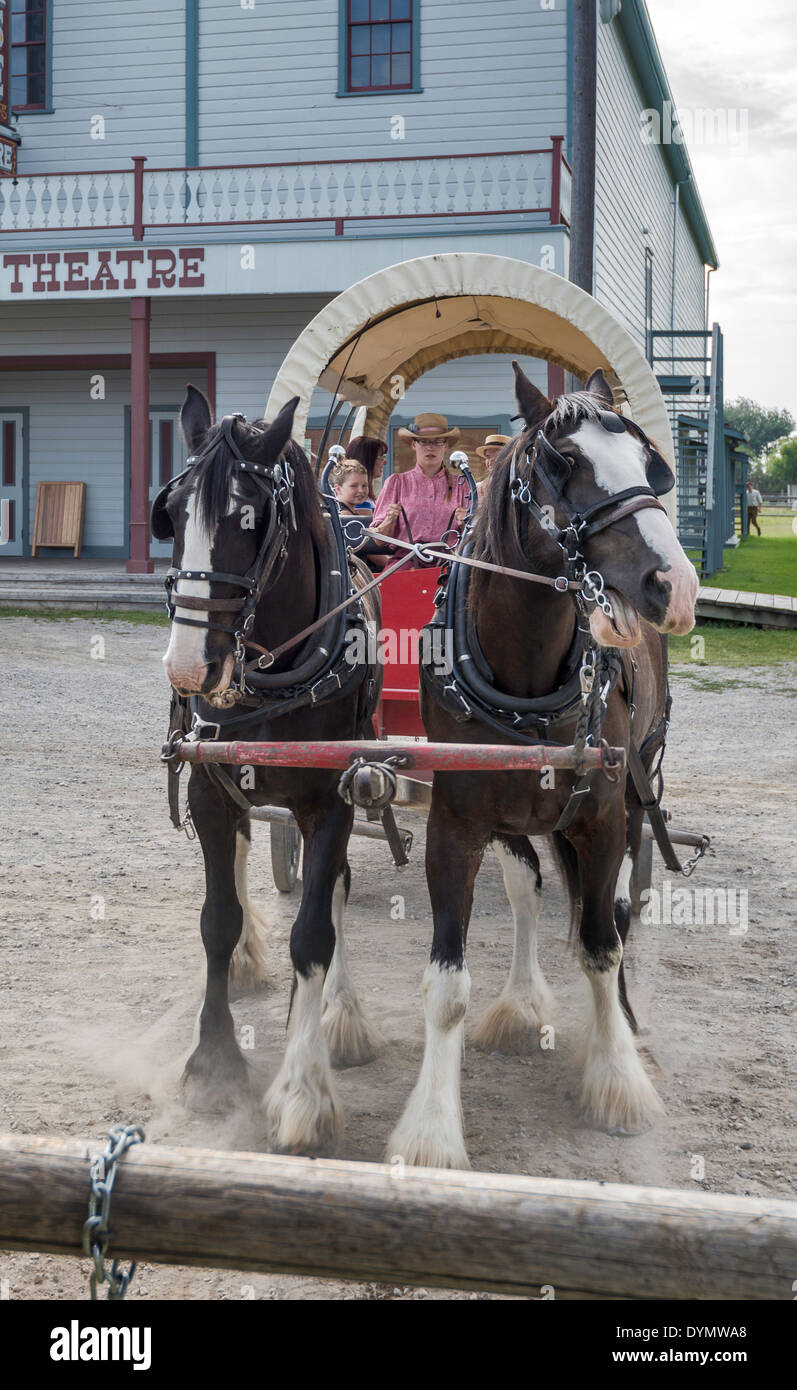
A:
(621, 631)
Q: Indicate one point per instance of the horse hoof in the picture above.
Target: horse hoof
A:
(216, 1087)
(351, 1039)
(509, 1026)
(620, 1099)
(302, 1119)
(426, 1138)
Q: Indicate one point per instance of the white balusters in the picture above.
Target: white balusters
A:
(459, 185)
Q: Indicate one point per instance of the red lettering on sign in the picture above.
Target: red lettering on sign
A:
(161, 279)
(127, 258)
(193, 271)
(105, 278)
(16, 260)
(50, 283)
(74, 280)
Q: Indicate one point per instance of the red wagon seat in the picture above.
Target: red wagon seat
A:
(407, 605)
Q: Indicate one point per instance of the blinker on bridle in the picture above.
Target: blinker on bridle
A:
(555, 470)
(277, 482)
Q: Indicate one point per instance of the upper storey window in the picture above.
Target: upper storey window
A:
(29, 37)
(380, 45)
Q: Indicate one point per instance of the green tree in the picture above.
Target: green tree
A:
(781, 465)
(760, 425)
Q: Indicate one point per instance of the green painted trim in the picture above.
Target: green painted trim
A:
(24, 411)
(570, 81)
(191, 83)
(635, 26)
(343, 76)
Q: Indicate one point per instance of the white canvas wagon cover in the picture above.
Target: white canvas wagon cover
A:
(417, 314)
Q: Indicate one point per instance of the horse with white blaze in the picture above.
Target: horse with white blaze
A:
(576, 495)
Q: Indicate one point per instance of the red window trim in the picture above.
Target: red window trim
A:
(370, 23)
(43, 9)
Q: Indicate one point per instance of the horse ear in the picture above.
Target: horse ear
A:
(599, 386)
(658, 472)
(277, 434)
(534, 406)
(194, 418)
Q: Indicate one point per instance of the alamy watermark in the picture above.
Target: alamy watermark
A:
(703, 125)
(696, 907)
(404, 647)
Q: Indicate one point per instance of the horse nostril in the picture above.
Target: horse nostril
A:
(657, 590)
(213, 676)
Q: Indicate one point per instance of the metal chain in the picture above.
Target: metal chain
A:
(96, 1228)
(689, 865)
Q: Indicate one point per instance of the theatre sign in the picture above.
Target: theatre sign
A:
(123, 271)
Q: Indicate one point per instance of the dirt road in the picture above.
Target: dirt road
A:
(101, 960)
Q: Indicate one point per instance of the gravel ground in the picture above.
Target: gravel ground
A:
(101, 961)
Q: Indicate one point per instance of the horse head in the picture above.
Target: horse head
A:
(229, 513)
(602, 476)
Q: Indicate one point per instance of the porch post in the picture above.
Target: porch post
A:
(139, 562)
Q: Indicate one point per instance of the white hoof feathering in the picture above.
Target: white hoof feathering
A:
(249, 964)
(525, 1004)
(430, 1133)
(351, 1039)
(302, 1106)
(616, 1091)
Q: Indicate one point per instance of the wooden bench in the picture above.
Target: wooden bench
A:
(59, 516)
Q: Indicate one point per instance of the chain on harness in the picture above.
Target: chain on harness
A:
(97, 1233)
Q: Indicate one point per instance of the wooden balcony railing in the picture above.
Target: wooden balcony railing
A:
(318, 191)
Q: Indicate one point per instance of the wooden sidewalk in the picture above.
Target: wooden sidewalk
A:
(739, 606)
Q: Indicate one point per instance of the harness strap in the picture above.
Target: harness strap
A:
(650, 804)
(321, 622)
(227, 785)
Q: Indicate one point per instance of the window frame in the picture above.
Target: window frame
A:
(46, 108)
(344, 90)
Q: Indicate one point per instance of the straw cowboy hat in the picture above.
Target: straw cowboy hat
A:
(493, 441)
(429, 427)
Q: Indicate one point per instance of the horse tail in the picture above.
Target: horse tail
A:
(566, 861)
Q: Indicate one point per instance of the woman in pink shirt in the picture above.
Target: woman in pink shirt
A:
(427, 503)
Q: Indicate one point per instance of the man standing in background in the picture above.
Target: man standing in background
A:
(754, 501)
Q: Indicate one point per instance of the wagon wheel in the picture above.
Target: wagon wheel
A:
(641, 875)
(286, 845)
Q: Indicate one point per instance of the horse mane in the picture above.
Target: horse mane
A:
(216, 471)
(495, 535)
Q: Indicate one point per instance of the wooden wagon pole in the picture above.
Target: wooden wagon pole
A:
(341, 1220)
(441, 757)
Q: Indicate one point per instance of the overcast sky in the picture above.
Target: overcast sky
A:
(742, 57)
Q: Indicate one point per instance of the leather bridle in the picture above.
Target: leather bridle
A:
(581, 526)
(277, 481)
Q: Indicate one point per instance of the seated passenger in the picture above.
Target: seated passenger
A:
(349, 480)
(371, 452)
(428, 502)
(489, 451)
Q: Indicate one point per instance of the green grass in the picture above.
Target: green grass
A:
(731, 644)
(106, 615)
(764, 564)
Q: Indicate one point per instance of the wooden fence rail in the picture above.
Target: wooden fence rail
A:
(342, 1220)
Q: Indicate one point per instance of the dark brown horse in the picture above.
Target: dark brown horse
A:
(583, 455)
(249, 539)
